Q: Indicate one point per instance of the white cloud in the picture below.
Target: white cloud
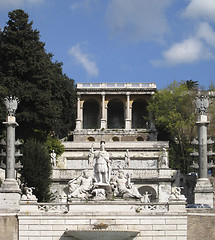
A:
(84, 60)
(189, 51)
(205, 31)
(4, 4)
(137, 19)
(200, 9)
(87, 5)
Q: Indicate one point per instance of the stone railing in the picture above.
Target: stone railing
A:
(115, 85)
(69, 207)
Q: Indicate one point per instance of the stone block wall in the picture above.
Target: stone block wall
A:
(8, 227)
(150, 226)
(201, 225)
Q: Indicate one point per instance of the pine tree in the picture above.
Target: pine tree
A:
(47, 96)
(36, 171)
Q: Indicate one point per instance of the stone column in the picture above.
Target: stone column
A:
(202, 138)
(128, 115)
(203, 190)
(10, 147)
(104, 115)
(79, 119)
(10, 191)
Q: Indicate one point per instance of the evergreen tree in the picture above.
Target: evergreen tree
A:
(36, 171)
(46, 95)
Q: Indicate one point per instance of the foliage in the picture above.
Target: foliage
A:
(55, 144)
(36, 171)
(174, 113)
(47, 96)
(191, 85)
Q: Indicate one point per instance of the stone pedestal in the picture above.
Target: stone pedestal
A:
(9, 196)
(103, 123)
(203, 192)
(177, 205)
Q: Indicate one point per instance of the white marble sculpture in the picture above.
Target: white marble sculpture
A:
(124, 188)
(28, 194)
(176, 194)
(80, 187)
(102, 167)
(127, 157)
(164, 159)
(53, 158)
(146, 197)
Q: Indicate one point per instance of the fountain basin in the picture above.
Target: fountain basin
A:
(102, 234)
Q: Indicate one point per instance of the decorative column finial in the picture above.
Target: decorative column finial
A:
(202, 104)
(11, 105)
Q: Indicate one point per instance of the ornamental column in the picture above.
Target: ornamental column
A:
(104, 115)
(203, 189)
(128, 114)
(10, 191)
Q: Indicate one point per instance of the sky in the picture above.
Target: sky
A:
(149, 41)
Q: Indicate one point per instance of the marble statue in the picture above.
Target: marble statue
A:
(28, 194)
(146, 197)
(102, 167)
(99, 194)
(11, 105)
(53, 158)
(127, 157)
(202, 104)
(80, 187)
(124, 188)
(164, 160)
(176, 194)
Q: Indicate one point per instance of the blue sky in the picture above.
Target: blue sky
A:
(155, 41)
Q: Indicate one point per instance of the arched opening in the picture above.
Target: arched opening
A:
(139, 114)
(150, 190)
(115, 139)
(91, 139)
(91, 114)
(115, 114)
(140, 139)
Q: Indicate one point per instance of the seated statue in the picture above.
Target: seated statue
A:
(124, 187)
(81, 186)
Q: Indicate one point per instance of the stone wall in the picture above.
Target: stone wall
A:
(201, 225)
(8, 227)
(150, 226)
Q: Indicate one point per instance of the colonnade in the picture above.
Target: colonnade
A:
(103, 103)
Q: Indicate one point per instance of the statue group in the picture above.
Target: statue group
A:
(104, 184)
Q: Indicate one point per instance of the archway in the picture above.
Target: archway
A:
(116, 114)
(91, 114)
(139, 114)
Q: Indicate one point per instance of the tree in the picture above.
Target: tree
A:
(191, 85)
(36, 171)
(47, 96)
(174, 113)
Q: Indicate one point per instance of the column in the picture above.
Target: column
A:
(10, 150)
(9, 190)
(128, 113)
(79, 114)
(203, 191)
(104, 115)
(202, 137)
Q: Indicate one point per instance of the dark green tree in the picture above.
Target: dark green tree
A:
(191, 85)
(47, 96)
(174, 112)
(36, 171)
